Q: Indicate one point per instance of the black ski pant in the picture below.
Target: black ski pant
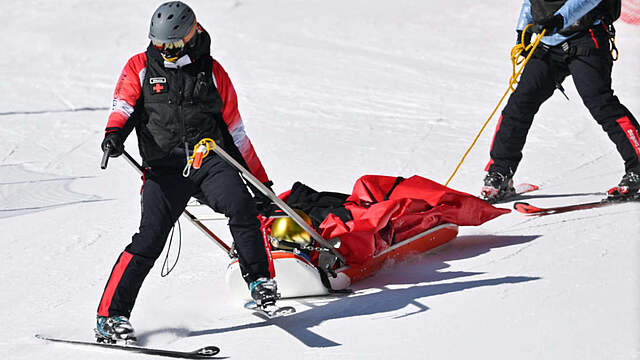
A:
(588, 60)
(165, 194)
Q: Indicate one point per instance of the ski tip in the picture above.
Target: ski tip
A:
(42, 337)
(207, 351)
(526, 208)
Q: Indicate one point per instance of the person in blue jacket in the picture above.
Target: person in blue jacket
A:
(577, 43)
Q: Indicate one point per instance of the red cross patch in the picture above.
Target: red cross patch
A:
(159, 88)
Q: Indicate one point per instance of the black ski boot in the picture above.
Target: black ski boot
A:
(114, 329)
(497, 186)
(264, 292)
(628, 186)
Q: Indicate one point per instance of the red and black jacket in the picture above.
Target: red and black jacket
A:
(170, 105)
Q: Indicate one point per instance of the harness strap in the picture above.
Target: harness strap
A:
(399, 179)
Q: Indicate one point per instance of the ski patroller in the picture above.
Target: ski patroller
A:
(532, 210)
(207, 352)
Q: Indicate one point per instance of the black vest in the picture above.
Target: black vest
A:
(180, 106)
(607, 11)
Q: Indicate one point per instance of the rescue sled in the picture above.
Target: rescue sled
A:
(384, 219)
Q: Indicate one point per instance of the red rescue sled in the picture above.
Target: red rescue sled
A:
(391, 218)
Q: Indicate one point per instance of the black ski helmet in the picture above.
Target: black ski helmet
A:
(171, 22)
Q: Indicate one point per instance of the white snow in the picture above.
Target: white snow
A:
(329, 91)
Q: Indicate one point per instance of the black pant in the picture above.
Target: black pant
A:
(588, 61)
(165, 194)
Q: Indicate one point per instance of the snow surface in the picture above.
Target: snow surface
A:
(329, 90)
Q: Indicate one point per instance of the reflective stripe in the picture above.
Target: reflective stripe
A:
(141, 75)
(632, 134)
(122, 106)
(239, 136)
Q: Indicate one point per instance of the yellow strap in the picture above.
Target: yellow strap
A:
(516, 53)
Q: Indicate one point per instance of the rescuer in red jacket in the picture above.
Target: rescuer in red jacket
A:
(175, 94)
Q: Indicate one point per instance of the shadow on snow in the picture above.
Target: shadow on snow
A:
(422, 269)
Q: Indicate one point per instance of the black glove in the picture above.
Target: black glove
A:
(113, 143)
(527, 41)
(551, 23)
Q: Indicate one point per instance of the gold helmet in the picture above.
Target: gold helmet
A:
(286, 230)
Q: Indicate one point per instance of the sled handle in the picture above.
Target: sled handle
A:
(281, 204)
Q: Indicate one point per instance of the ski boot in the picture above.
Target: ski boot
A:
(497, 186)
(628, 186)
(114, 329)
(264, 292)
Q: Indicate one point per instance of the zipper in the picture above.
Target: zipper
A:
(179, 114)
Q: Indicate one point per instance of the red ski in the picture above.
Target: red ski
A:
(529, 209)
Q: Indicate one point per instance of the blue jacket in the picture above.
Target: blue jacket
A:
(571, 11)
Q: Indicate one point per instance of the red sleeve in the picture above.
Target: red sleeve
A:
(128, 90)
(232, 118)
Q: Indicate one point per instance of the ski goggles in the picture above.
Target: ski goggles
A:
(173, 49)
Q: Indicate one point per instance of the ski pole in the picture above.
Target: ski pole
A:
(105, 157)
(281, 204)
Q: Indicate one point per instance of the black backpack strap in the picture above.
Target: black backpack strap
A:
(399, 179)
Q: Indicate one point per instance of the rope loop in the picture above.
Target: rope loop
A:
(200, 151)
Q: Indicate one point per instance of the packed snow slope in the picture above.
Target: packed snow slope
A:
(329, 90)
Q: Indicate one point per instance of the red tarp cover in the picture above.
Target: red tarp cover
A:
(415, 205)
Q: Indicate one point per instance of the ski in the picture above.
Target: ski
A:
(529, 209)
(207, 352)
(270, 311)
(519, 189)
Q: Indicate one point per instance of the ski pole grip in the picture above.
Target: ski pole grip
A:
(105, 158)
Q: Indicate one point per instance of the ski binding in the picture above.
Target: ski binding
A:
(270, 311)
(518, 190)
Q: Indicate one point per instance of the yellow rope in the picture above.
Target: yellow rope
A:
(516, 53)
